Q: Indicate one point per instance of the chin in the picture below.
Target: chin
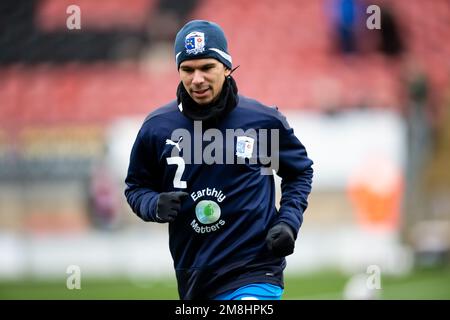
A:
(203, 102)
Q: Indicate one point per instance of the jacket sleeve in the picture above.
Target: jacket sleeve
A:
(142, 178)
(296, 172)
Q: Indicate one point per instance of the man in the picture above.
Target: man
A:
(200, 164)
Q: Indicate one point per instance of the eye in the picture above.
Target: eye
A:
(208, 67)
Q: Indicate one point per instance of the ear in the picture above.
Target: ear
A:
(227, 72)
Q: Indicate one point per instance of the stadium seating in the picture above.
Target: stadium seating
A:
(285, 50)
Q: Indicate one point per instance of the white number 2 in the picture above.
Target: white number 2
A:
(177, 183)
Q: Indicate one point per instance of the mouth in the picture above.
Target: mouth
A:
(200, 93)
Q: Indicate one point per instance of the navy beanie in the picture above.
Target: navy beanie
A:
(201, 39)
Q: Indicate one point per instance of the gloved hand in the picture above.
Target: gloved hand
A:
(169, 204)
(280, 240)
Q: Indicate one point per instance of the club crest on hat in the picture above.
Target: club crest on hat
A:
(195, 42)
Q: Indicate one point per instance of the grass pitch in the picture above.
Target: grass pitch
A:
(329, 285)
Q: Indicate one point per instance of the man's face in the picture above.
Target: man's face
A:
(203, 79)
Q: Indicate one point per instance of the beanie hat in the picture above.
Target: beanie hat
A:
(201, 39)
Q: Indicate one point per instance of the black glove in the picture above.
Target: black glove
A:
(169, 204)
(280, 240)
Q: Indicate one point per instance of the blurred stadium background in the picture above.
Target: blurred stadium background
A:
(371, 106)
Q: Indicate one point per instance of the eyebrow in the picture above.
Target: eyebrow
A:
(208, 65)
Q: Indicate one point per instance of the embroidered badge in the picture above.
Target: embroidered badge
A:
(195, 42)
(244, 147)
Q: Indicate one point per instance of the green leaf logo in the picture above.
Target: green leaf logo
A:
(207, 211)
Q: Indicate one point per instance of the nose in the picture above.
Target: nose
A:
(198, 78)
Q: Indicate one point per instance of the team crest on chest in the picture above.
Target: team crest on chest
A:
(244, 146)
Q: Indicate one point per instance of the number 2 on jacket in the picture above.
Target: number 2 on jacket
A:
(177, 182)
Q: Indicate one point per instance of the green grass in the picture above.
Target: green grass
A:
(90, 289)
(421, 284)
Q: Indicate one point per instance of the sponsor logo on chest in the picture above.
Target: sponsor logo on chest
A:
(207, 211)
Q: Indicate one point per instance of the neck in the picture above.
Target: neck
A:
(214, 111)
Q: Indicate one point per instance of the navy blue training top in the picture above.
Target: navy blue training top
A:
(217, 240)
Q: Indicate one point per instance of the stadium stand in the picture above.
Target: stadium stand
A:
(121, 62)
(282, 61)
